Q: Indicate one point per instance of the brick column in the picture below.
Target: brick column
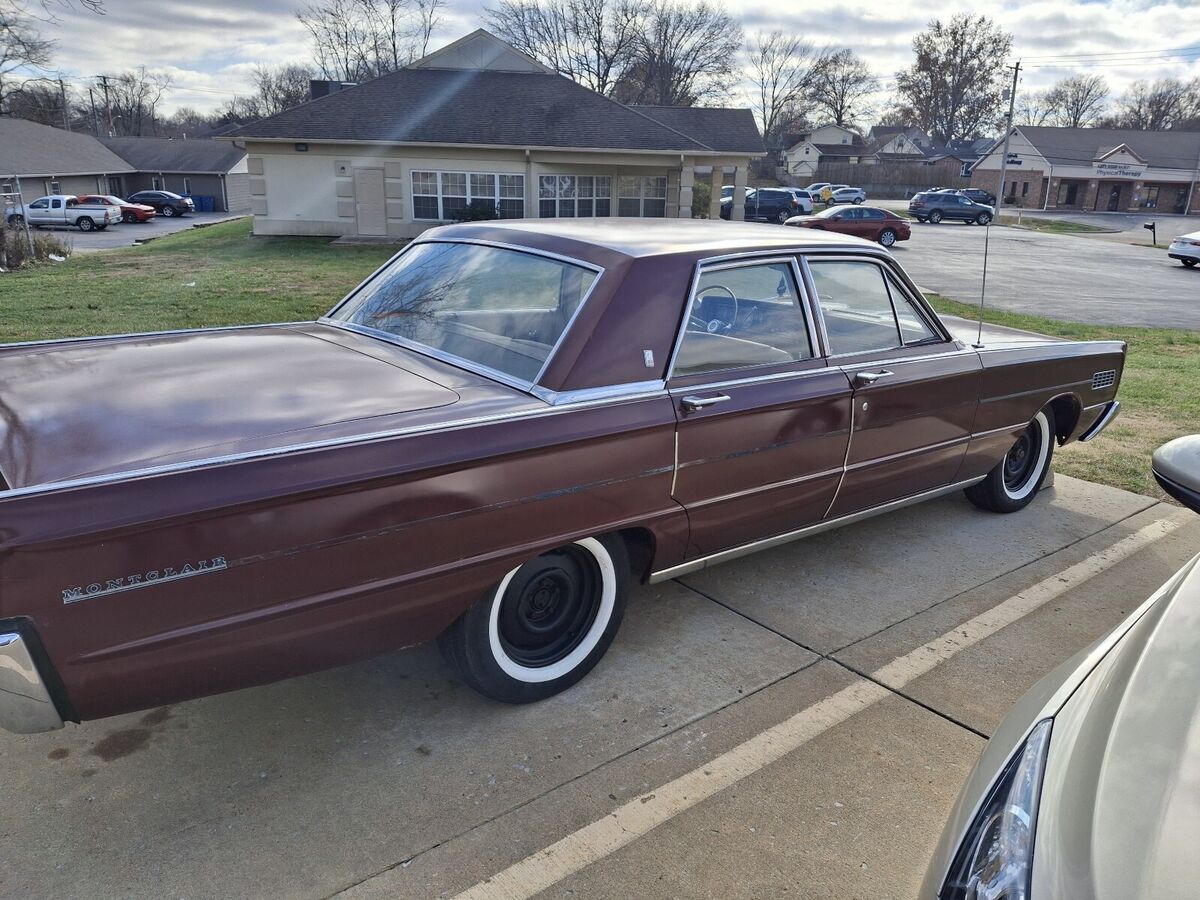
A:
(738, 212)
(687, 178)
(714, 203)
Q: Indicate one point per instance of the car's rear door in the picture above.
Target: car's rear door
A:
(763, 419)
(916, 390)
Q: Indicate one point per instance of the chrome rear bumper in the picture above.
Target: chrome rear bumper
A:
(1110, 412)
(25, 703)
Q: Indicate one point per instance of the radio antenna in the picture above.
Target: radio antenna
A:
(987, 233)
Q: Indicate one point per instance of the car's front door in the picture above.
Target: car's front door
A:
(763, 419)
(915, 389)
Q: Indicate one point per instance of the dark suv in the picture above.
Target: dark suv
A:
(164, 202)
(979, 195)
(933, 207)
(768, 205)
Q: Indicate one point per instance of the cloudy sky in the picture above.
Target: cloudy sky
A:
(209, 47)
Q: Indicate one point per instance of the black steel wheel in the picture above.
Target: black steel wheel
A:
(545, 625)
(129, 218)
(1016, 479)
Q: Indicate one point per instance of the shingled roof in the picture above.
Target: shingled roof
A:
(1082, 146)
(500, 108)
(29, 149)
(200, 156)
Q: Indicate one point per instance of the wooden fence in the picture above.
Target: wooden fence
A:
(894, 180)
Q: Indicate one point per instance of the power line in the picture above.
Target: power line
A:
(1114, 53)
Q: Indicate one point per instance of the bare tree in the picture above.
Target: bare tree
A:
(589, 41)
(1077, 101)
(843, 87)
(954, 88)
(187, 122)
(281, 87)
(355, 40)
(133, 101)
(686, 55)
(23, 46)
(1033, 108)
(782, 71)
(1156, 106)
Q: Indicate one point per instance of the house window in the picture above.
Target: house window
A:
(642, 195)
(7, 187)
(55, 186)
(438, 196)
(187, 186)
(1067, 193)
(571, 196)
(156, 183)
(1151, 201)
(1024, 188)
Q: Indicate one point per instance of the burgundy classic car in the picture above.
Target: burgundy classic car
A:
(486, 442)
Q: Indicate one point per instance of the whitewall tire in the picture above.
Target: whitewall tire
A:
(545, 625)
(1016, 479)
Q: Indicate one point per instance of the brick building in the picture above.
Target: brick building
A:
(1105, 169)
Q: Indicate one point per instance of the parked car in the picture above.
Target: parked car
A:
(767, 205)
(807, 203)
(934, 207)
(848, 195)
(66, 211)
(1088, 787)
(492, 437)
(861, 221)
(979, 195)
(164, 202)
(817, 188)
(1186, 249)
(130, 212)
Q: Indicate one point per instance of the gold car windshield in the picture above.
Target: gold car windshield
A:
(501, 309)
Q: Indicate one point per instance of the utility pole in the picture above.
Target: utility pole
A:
(62, 93)
(107, 104)
(95, 115)
(1008, 126)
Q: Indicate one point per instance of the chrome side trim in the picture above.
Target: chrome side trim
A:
(704, 562)
(270, 452)
(137, 334)
(1114, 407)
(757, 379)
(25, 704)
(633, 390)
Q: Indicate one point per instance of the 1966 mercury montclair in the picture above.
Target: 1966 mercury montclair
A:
(486, 441)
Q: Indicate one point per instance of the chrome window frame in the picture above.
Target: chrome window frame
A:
(743, 260)
(528, 387)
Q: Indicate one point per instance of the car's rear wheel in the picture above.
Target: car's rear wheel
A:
(546, 624)
(783, 216)
(1015, 480)
(168, 211)
(858, 199)
(887, 237)
(1187, 262)
(85, 224)
(935, 217)
(983, 218)
(16, 221)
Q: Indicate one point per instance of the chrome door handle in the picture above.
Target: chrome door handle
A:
(865, 378)
(692, 404)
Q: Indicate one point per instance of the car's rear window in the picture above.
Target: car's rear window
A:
(494, 307)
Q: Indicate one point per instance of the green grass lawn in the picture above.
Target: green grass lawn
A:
(219, 275)
(222, 275)
(1052, 226)
(1159, 394)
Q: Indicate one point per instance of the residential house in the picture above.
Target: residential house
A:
(907, 142)
(36, 160)
(803, 152)
(480, 121)
(1107, 169)
(195, 168)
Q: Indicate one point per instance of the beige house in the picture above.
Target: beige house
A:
(479, 122)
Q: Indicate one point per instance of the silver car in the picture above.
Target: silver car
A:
(845, 194)
(1090, 788)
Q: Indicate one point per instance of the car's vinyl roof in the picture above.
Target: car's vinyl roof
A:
(652, 237)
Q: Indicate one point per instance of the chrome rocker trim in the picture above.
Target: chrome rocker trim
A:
(704, 562)
(26, 706)
(1110, 413)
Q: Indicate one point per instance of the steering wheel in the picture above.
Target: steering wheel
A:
(715, 324)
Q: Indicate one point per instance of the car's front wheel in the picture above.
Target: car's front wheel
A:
(129, 218)
(168, 211)
(935, 217)
(546, 624)
(1015, 480)
(887, 237)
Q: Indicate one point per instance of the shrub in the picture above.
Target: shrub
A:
(15, 247)
(701, 197)
(478, 211)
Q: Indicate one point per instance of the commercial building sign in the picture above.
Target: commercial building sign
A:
(1119, 170)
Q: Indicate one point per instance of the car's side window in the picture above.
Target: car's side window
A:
(741, 316)
(856, 306)
(913, 327)
(39, 204)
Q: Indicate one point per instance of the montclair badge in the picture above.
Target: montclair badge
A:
(143, 579)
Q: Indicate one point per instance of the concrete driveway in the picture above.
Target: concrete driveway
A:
(126, 235)
(738, 741)
(1064, 276)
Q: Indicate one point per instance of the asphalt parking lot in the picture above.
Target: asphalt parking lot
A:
(126, 235)
(794, 723)
(1071, 277)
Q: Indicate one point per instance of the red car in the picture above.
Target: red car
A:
(868, 222)
(130, 212)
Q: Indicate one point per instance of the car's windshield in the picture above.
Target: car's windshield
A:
(499, 308)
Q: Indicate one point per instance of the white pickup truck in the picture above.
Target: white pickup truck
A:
(65, 210)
